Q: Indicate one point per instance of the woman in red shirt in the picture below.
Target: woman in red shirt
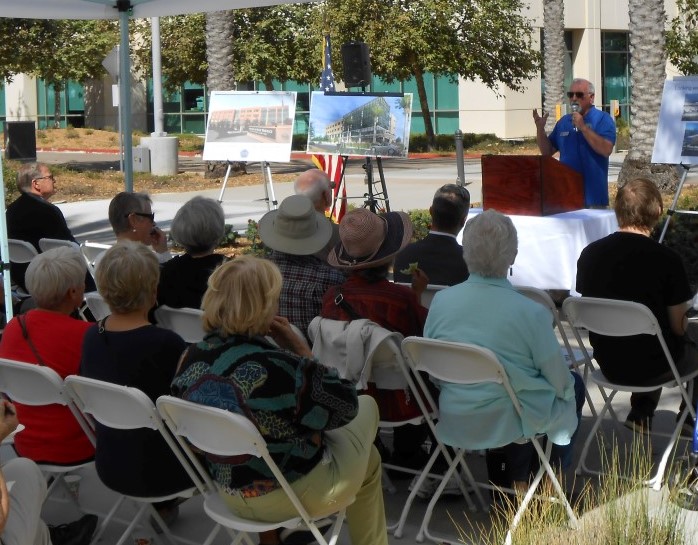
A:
(51, 337)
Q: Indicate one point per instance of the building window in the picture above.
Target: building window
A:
(71, 105)
(3, 112)
(615, 70)
(184, 110)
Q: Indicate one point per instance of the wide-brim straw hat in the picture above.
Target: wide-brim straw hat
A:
(369, 240)
(296, 227)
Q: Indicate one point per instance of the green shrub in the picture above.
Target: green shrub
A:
(190, 142)
(299, 142)
(421, 220)
(256, 246)
(71, 133)
(230, 236)
(9, 176)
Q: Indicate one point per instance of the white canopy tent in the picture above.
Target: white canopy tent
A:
(108, 9)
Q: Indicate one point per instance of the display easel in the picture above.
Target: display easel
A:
(269, 195)
(672, 209)
(375, 191)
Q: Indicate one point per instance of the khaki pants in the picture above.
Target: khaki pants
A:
(27, 492)
(351, 467)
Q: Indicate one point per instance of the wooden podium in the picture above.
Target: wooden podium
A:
(530, 185)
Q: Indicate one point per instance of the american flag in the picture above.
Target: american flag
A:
(332, 165)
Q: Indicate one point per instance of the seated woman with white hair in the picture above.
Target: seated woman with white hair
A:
(486, 310)
(198, 226)
(48, 335)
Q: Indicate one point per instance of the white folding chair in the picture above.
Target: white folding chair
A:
(20, 252)
(186, 322)
(462, 363)
(385, 366)
(222, 433)
(97, 305)
(574, 357)
(427, 294)
(125, 408)
(50, 243)
(92, 251)
(39, 385)
(616, 318)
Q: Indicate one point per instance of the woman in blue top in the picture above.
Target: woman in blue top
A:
(520, 333)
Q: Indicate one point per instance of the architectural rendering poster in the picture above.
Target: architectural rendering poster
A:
(250, 126)
(677, 131)
(362, 124)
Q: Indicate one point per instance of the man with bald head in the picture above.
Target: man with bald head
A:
(316, 185)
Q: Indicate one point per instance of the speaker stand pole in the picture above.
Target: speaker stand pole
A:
(373, 196)
(672, 209)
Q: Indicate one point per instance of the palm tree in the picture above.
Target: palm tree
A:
(219, 51)
(647, 72)
(221, 73)
(553, 57)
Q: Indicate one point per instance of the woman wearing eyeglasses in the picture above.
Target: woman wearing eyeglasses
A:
(131, 217)
(584, 138)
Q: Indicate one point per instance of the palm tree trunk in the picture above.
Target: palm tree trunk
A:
(553, 57)
(57, 105)
(647, 73)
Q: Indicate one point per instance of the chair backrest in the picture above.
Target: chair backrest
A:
(97, 305)
(186, 322)
(50, 243)
(31, 384)
(113, 405)
(91, 251)
(427, 294)
(20, 251)
(38, 385)
(611, 317)
(222, 433)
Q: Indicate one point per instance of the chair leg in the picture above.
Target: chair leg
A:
(545, 467)
(424, 527)
(103, 526)
(127, 533)
(656, 482)
(581, 465)
(397, 529)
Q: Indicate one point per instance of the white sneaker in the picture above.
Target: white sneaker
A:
(429, 486)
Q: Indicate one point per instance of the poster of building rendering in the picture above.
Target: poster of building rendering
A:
(250, 126)
(360, 124)
(676, 141)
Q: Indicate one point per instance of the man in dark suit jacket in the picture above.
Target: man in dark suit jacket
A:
(439, 255)
(31, 217)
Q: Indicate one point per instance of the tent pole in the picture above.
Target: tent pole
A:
(5, 251)
(125, 95)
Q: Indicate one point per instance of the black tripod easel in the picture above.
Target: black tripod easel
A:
(672, 209)
(376, 190)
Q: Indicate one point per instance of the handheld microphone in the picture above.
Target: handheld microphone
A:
(575, 109)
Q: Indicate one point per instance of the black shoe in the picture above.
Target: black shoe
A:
(688, 427)
(78, 532)
(168, 515)
(639, 424)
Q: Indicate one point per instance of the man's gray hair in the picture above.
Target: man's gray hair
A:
(313, 183)
(122, 205)
(199, 225)
(590, 86)
(490, 244)
(52, 273)
(27, 174)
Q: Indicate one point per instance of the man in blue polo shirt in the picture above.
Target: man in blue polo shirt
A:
(584, 138)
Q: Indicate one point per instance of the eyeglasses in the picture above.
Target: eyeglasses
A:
(49, 177)
(150, 216)
(577, 94)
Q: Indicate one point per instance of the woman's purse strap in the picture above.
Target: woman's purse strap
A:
(341, 302)
(21, 318)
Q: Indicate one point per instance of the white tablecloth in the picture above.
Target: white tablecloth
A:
(550, 246)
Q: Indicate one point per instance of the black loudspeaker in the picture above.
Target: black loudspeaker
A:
(20, 140)
(357, 64)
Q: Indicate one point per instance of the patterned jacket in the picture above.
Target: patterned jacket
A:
(290, 399)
